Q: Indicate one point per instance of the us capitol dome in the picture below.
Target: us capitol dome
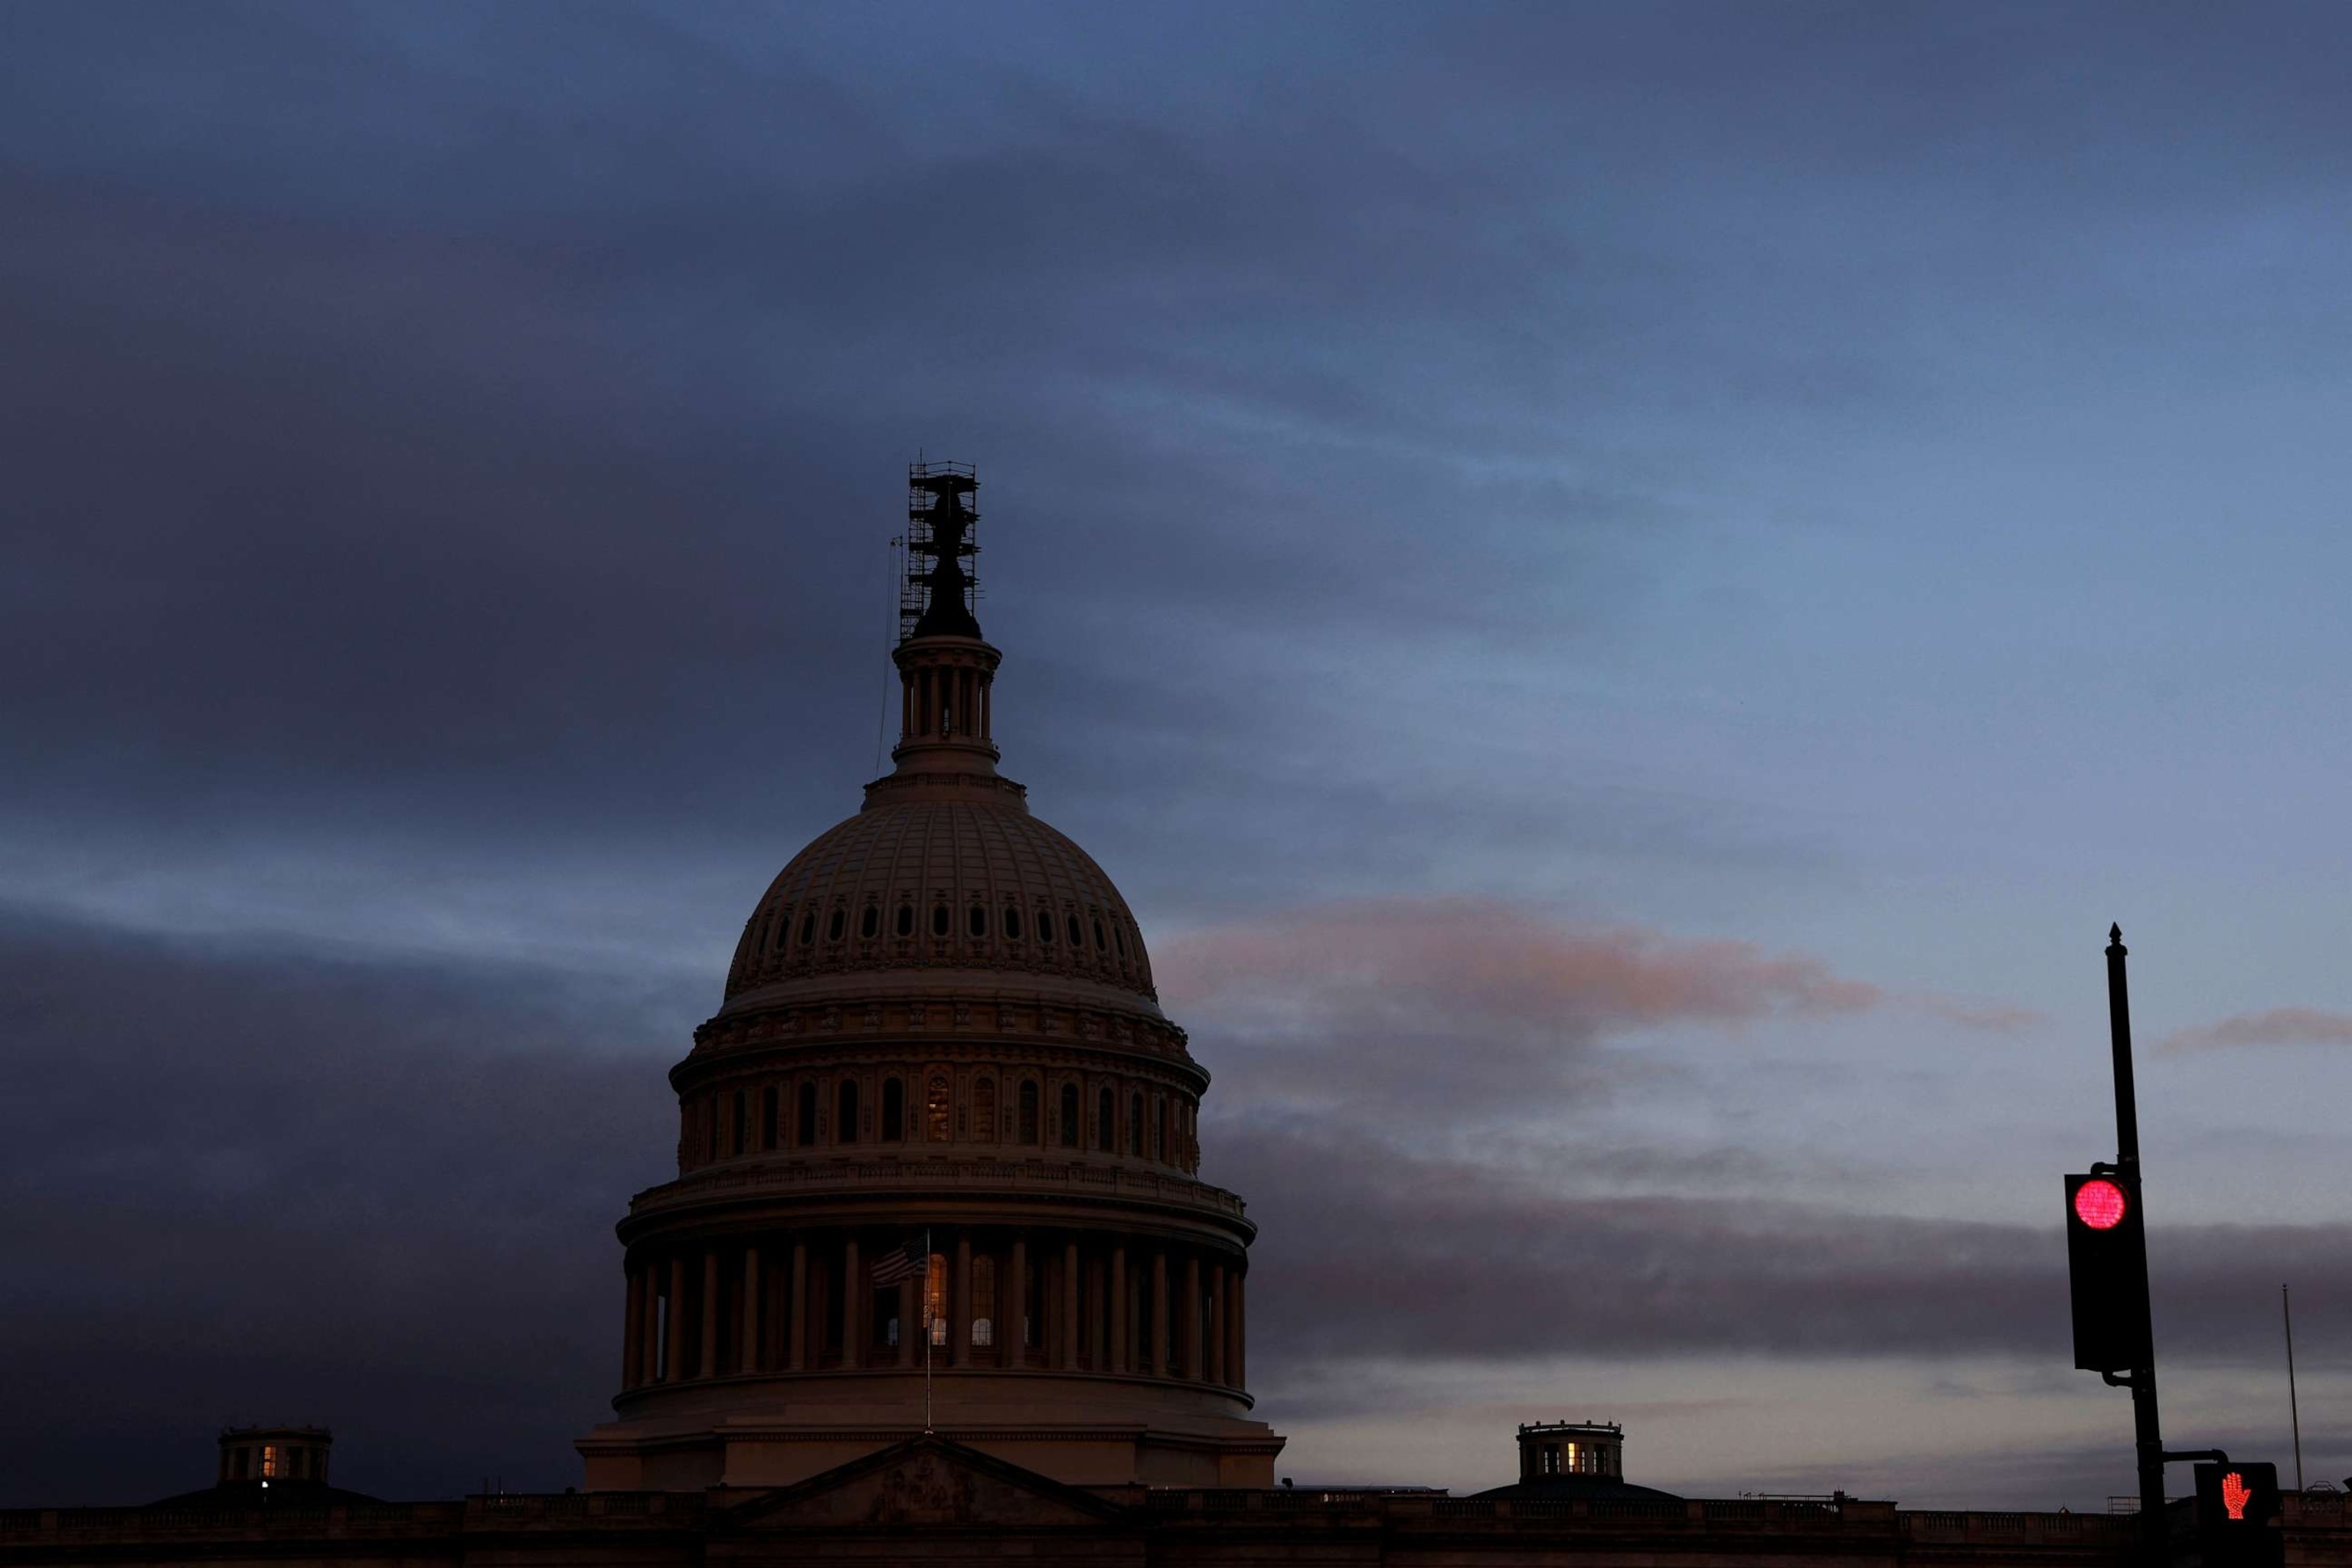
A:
(938, 1167)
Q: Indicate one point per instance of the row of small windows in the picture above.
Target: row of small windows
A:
(740, 1122)
(1010, 924)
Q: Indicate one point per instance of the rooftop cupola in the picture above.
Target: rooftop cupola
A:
(946, 670)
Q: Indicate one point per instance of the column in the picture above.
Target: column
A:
(1097, 1333)
(853, 1321)
(911, 1317)
(1217, 1326)
(1237, 1358)
(1016, 1338)
(1156, 1359)
(959, 1304)
(649, 1344)
(710, 1313)
(1192, 1367)
(632, 1331)
(751, 1342)
(674, 1364)
(1070, 1306)
(1119, 1308)
(799, 1352)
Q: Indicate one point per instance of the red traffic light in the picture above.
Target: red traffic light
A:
(2100, 1205)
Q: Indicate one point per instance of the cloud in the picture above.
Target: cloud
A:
(1371, 1249)
(2277, 1027)
(282, 1182)
(1482, 1001)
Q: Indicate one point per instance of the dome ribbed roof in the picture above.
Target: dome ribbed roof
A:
(872, 893)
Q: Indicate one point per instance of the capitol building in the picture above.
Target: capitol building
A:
(938, 1157)
(940, 1277)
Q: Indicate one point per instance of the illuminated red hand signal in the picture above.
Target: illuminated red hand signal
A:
(2235, 1494)
(2099, 1205)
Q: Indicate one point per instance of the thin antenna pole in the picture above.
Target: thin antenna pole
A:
(2287, 1311)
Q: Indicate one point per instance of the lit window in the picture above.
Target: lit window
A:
(935, 1110)
(983, 1111)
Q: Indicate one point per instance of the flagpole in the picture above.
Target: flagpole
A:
(927, 1330)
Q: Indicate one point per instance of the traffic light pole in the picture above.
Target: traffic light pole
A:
(2148, 1431)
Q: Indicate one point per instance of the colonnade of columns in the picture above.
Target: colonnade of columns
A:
(999, 1298)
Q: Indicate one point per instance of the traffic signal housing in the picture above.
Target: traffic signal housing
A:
(2107, 1261)
(2238, 1517)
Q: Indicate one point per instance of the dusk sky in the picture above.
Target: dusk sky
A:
(1625, 590)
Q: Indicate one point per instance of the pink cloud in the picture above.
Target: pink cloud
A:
(1499, 961)
(2278, 1026)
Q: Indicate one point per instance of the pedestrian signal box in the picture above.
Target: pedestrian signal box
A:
(2107, 1261)
(2239, 1522)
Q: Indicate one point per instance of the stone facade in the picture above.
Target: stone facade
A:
(933, 1501)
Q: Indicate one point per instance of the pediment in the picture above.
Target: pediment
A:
(928, 1481)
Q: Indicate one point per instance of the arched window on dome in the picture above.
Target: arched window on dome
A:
(1012, 923)
(869, 924)
(983, 1111)
(1046, 927)
(1029, 1111)
(1099, 943)
(783, 926)
(808, 928)
(940, 920)
(976, 923)
(1069, 1116)
(894, 1111)
(935, 1109)
(844, 1121)
(1135, 1123)
(906, 919)
(838, 923)
(1159, 1128)
(1105, 1122)
(1077, 936)
(804, 1116)
(1118, 935)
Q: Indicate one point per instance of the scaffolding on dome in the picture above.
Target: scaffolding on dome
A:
(940, 521)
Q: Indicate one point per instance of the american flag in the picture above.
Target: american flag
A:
(908, 1262)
